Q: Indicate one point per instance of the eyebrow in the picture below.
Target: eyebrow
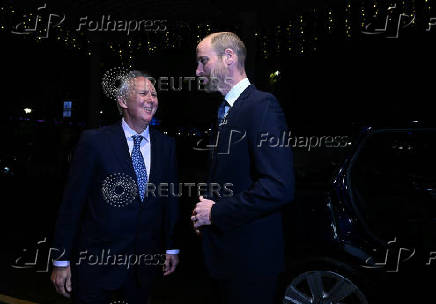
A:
(145, 91)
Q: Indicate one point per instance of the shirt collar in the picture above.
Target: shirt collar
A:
(236, 91)
(129, 132)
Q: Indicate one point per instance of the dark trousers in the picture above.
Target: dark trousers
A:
(247, 290)
(131, 292)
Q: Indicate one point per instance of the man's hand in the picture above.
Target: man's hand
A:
(201, 214)
(171, 262)
(61, 279)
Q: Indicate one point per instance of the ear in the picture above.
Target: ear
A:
(122, 102)
(229, 56)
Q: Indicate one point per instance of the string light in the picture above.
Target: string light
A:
(362, 18)
(264, 45)
(298, 36)
(301, 31)
(413, 12)
(348, 20)
(427, 6)
(289, 30)
(376, 8)
(314, 34)
(277, 37)
(330, 21)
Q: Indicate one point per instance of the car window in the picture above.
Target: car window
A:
(393, 181)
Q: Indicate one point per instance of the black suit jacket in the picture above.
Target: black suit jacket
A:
(246, 236)
(102, 217)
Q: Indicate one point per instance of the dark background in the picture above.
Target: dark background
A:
(333, 79)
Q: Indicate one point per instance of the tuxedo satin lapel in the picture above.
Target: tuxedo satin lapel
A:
(118, 143)
(154, 159)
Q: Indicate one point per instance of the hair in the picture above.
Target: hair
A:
(126, 84)
(228, 40)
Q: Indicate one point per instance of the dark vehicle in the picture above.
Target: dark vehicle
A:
(372, 237)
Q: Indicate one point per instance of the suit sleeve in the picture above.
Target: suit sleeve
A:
(172, 203)
(75, 196)
(273, 177)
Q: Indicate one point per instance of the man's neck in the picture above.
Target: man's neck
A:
(232, 81)
(136, 126)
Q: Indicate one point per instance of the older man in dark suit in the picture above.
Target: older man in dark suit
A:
(242, 235)
(114, 235)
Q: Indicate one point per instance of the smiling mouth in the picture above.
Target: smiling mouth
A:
(148, 109)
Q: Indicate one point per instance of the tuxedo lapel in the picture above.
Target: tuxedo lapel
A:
(243, 97)
(154, 159)
(118, 143)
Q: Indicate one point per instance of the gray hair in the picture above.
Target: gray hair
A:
(126, 85)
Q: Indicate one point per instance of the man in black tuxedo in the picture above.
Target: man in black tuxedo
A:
(114, 233)
(242, 235)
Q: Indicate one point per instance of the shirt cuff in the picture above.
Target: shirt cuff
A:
(173, 251)
(61, 263)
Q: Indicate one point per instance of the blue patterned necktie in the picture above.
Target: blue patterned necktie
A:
(139, 165)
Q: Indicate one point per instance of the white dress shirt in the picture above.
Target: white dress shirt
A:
(236, 91)
(145, 148)
(145, 151)
(234, 94)
(145, 143)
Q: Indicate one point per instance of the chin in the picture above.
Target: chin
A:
(147, 120)
(147, 117)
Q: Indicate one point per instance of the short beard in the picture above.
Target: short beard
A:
(219, 80)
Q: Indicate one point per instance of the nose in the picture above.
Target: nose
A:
(150, 98)
(199, 70)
